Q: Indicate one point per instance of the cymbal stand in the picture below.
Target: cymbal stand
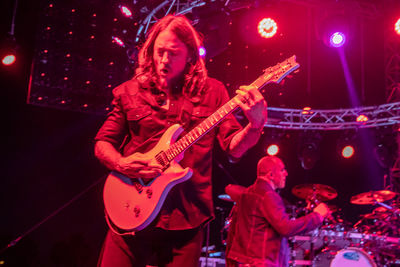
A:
(395, 211)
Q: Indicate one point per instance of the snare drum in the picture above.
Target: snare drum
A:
(349, 257)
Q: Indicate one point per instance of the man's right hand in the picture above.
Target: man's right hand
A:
(323, 210)
(138, 165)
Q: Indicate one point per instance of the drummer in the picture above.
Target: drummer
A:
(262, 224)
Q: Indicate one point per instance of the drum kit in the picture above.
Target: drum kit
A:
(373, 241)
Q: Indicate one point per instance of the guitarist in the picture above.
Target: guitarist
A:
(171, 86)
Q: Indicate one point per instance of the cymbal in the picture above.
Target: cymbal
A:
(377, 215)
(319, 192)
(234, 191)
(225, 197)
(372, 197)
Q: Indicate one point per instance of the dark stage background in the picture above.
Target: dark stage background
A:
(51, 183)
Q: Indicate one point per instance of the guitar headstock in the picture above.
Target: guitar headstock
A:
(281, 70)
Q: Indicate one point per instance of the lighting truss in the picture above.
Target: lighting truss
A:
(165, 8)
(362, 8)
(333, 119)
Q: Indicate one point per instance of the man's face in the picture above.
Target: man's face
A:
(279, 174)
(170, 57)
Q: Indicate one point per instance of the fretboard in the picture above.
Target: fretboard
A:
(271, 74)
(205, 126)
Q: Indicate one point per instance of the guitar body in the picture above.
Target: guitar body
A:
(132, 205)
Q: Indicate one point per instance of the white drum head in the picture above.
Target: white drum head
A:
(352, 257)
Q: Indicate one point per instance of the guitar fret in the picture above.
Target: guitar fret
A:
(223, 112)
(169, 156)
(187, 142)
(184, 141)
(196, 135)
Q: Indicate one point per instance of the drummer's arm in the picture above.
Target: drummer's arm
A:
(275, 213)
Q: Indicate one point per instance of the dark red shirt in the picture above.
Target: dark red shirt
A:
(136, 123)
(261, 227)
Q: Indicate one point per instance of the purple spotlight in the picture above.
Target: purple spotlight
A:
(125, 11)
(202, 51)
(337, 39)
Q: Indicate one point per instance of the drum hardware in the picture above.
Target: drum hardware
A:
(313, 192)
(372, 197)
(349, 257)
(225, 197)
(225, 229)
(383, 220)
(338, 247)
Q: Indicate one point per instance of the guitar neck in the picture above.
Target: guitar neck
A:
(271, 74)
(200, 130)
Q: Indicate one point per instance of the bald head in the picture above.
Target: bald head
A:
(267, 164)
(272, 168)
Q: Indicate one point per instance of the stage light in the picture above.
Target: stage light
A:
(267, 28)
(382, 155)
(308, 150)
(362, 118)
(307, 111)
(337, 39)
(273, 149)
(397, 26)
(348, 151)
(118, 41)
(346, 144)
(334, 28)
(125, 11)
(386, 146)
(202, 51)
(9, 59)
(8, 47)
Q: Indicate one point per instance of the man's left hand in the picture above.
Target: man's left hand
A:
(253, 105)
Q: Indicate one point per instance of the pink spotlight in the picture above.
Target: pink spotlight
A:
(337, 39)
(397, 26)
(9, 59)
(202, 51)
(348, 152)
(273, 149)
(125, 11)
(267, 27)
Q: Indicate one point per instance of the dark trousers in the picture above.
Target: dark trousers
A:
(155, 247)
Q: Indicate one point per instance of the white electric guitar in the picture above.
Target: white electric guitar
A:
(130, 203)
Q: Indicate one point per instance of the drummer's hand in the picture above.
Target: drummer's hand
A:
(322, 209)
